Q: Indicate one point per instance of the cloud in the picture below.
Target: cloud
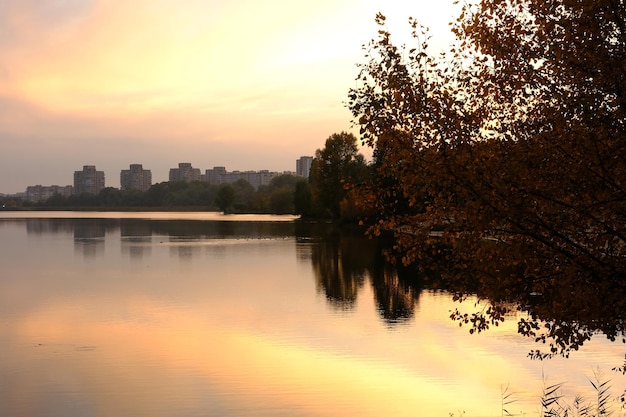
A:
(143, 55)
(209, 76)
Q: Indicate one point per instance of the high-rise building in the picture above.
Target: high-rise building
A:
(43, 192)
(135, 178)
(88, 180)
(214, 176)
(219, 175)
(184, 172)
(303, 166)
(254, 178)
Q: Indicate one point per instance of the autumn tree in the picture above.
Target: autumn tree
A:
(504, 160)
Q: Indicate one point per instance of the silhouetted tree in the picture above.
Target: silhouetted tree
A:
(511, 149)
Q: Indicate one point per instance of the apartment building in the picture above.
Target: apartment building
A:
(89, 180)
(303, 166)
(185, 172)
(214, 175)
(255, 178)
(135, 178)
(219, 175)
(37, 193)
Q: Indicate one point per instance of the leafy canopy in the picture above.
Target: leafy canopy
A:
(501, 163)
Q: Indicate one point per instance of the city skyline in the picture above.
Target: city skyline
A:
(202, 175)
(244, 84)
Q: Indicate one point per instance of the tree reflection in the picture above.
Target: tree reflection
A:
(396, 291)
(559, 315)
(338, 273)
(343, 261)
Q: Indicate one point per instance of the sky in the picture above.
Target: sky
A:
(244, 84)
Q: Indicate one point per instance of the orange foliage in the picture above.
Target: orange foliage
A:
(502, 162)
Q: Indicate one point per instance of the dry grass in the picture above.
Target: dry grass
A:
(603, 403)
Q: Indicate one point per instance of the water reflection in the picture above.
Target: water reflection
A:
(182, 236)
(344, 260)
(337, 277)
(136, 239)
(258, 320)
(341, 262)
(48, 226)
(89, 237)
(397, 298)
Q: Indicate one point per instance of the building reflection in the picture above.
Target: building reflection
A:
(184, 248)
(48, 226)
(343, 262)
(136, 238)
(89, 237)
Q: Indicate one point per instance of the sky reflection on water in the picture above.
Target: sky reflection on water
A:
(146, 318)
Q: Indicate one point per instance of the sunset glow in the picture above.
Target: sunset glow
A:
(131, 323)
(241, 84)
(221, 356)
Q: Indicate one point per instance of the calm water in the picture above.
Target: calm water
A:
(196, 314)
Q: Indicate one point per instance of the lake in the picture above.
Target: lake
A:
(200, 314)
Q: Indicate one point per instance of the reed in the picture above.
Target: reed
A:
(506, 399)
(603, 404)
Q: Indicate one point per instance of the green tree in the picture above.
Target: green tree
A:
(334, 167)
(284, 180)
(155, 196)
(57, 200)
(225, 197)
(85, 200)
(132, 198)
(109, 197)
(281, 191)
(244, 195)
(302, 198)
(281, 200)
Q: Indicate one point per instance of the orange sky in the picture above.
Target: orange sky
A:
(244, 84)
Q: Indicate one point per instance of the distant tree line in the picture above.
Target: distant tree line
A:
(238, 197)
(336, 171)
